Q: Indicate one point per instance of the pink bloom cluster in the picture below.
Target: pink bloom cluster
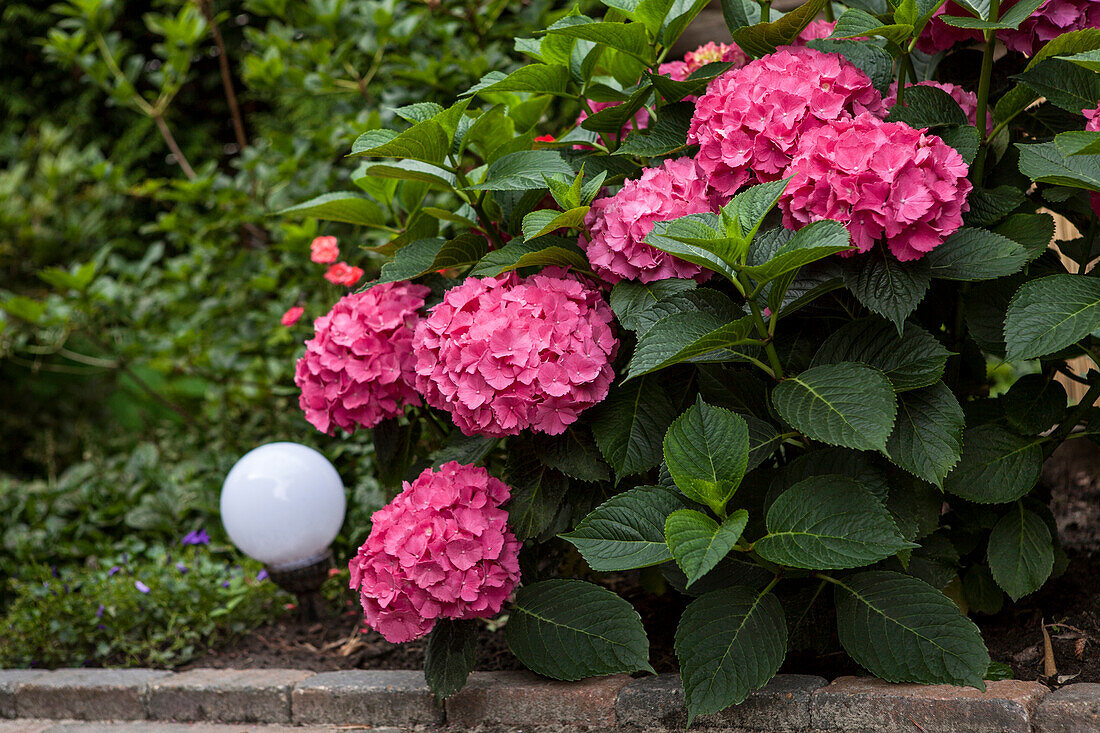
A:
(440, 549)
(815, 30)
(700, 57)
(504, 354)
(750, 120)
(324, 250)
(358, 367)
(1092, 124)
(1051, 19)
(620, 223)
(292, 315)
(879, 179)
(967, 100)
(343, 274)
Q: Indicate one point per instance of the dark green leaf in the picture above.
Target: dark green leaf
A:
(629, 299)
(829, 522)
(523, 170)
(990, 205)
(858, 23)
(1051, 313)
(570, 629)
(537, 494)
(846, 404)
(575, 454)
(1049, 163)
(1010, 19)
(996, 466)
(430, 255)
(927, 439)
(541, 252)
(544, 221)
(629, 426)
(665, 135)
(729, 642)
(628, 530)
(707, 450)
(698, 543)
(1064, 84)
(1021, 553)
(763, 38)
(976, 254)
(426, 141)
(683, 336)
(533, 78)
(631, 38)
(903, 630)
(927, 106)
(910, 360)
(450, 656)
(890, 288)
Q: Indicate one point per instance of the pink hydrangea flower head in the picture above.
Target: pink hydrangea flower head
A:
(707, 54)
(748, 123)
(292, 315)
(440, 549)
(880, 179)
(939, 36)
(815, 30)
(1050, 20)
(343, 274)
(619, 224)
(358, 367)
(324, 250)
(1092, 124)
(967, 100)
(506, 354)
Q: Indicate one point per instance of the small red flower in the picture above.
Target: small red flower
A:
(544, 139)
(292, 315)
(324, 250)
(343, 274)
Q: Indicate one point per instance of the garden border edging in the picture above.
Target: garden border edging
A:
(401, 698)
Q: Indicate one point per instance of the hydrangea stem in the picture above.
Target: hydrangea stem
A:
(984, 82)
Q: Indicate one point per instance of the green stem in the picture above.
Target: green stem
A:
(765, 11)
(902, 70)
(475, 203)
(984, 82)
(765, 335)
(829, 16)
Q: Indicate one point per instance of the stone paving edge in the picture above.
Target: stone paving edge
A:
(646, 704)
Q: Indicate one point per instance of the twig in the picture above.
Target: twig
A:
(227, 77)
(173, 146)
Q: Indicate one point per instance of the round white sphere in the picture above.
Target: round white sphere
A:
(283, 504)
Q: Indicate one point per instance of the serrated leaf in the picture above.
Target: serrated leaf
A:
(410, 170)
(763, 440)
(1034, 404)
(523, 170)
(1051, 313)
(845, 404)
(426, 141)
(927, 438)
(570, 629)
(901, 629)
(629, 299)
(698, 543)
(430, 255)
(1049, 163)
(910, 360)
(1021, 552)
(537, 493)
(976, 254)
(995, 467)
(1064, 84)
(545, 221)
(729, 642)
(464, 449)
(667, 236)
(814, 242)
(858, 23)
(745, 212)
(708, 301)
(990, 205)
(450, 656)
(1009, 20)
(1033, 232)
(630, 38)
(829, 522)
(532, 78)
(707, 451)
(575, 454)
(696, 83)
(627, 531)
(541, 252)
(663, 136)
(890, 288)
(350, 208)
(629, 426)
(927, 106)
(763, 38)
(683, 336)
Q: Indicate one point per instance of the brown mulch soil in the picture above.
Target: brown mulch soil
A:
(1069, 606)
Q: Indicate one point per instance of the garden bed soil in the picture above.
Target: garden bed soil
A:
(1069, 605)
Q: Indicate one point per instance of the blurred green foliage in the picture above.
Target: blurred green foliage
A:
(142, 274)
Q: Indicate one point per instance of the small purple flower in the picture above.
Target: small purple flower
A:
(181, 567)
(262, 575)
(99, 611)
(54, 571)
(196, 537)
(101, 627)
(113, 570)
(141, 586)
(225, 584)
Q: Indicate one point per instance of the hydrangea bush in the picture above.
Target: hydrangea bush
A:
(726, 335)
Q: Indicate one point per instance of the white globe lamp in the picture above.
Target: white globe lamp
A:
(283, 504)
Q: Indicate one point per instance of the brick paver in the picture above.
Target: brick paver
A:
(365, 697)
(86, 694)
(1072, 709)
